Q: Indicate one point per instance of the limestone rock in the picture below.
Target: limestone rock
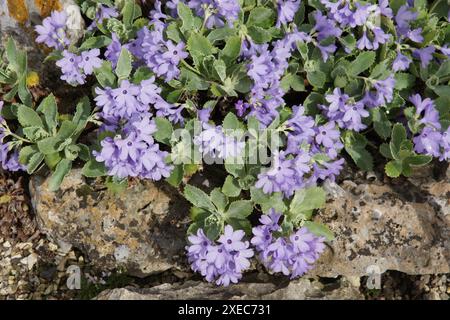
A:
(300, 289)
(142, 229)
(402, 226)
(18, 18)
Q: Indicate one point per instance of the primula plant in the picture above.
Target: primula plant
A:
(277, 95)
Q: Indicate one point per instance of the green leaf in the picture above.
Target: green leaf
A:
(307, 199)
(404, 81)
(320, 230)
(259, 35)
(240, 224)
(220, 34)
(381, 123)
(231, 122)
(35, 133)
(26, 153)
(34, 162)
(124, 67)
(362, 62)
(95, 43)
(62, 169)
(221, 69)
(393, 169)
(239, 209)
(82, 113)
(219, 200)
(11, 54)
(176, 176)
(105, 76)
(442, 91)
(49, 109)
(94, 169)
(116, 186)
(418, 160)
(232, 50)
(28, 117)
(213, 226)
(231, 187)
(444, 69)
(355, 144)
(316, 78)
(187, 17)
(261, 17)
(198, 198)
(267, 201)
(397, 137)
(165, 130)
(385, 151)
(131, 11)
(199, 47)
(292, 81)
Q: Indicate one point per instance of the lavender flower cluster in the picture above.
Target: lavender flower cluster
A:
(53, 31)
(222, 262)
(431, 140)
(296, 168)
(293, 255)
(75, 68)
(133, 152)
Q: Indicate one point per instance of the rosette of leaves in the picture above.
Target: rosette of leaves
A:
(14, 72)
(225, 206)
(50, 139)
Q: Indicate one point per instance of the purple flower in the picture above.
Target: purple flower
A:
(280, 177)
(113, 50)
(445, 144)
(325, 27)
(403, 18)
(52, 32)
(385, 90)
(428, 142)
(401, 62)
(149, 91)
(286, 11)
(293, 255)
(214, 143)
(425, 55)
(325, 51)
(231, 240)
(133, 152)
(69, 63)
(103, 13)
(90, 61)
(364, 42)
(221, 263)
(169, 111)
(161, 56)
(70, 68)
(415, 35)
(385, 10)
(426, 110)
(328, 135)
(379, 37)
(125, 99)
(352, 116)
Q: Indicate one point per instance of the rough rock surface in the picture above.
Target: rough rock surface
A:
(403, 226)
(142, 229)
(300, 289)
(18, 17)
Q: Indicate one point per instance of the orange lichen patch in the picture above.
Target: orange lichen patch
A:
(18, 10)
(47, 6)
